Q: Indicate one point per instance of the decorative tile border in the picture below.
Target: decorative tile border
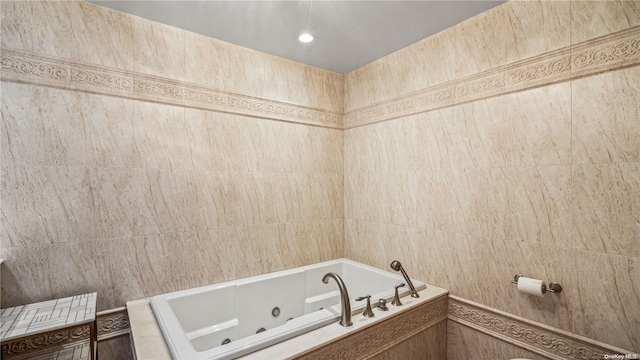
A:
(44, 340)
(18, 66)
(112, 323)
(74, 351)
(383, 335)
(551, 68)
(94, 78)
(606, 53)
(34, 69)
(538, 338)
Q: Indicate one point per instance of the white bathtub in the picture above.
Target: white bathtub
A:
(195, 322)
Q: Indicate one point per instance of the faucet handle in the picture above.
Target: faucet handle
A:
(368, 312)
(382, 305)
(396, 299)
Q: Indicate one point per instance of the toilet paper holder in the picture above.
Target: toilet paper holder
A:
(553, 287)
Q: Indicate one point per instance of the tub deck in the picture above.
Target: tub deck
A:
(229, 319)
(148, 342)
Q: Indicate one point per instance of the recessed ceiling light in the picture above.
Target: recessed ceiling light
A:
(306, 38)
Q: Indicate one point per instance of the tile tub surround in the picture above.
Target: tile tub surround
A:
(522, 152)
(127, 174)
(87, 34)
(504, 160)
(244, 305)
(474, 332)
(382, 331)
(495, 332)
(529, 182)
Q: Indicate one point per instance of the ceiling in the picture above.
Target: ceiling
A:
(348, 34)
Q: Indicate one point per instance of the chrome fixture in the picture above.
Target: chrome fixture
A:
(367, 311)
(382, 305)
(345, 319)
(396, 299)
(395, 265)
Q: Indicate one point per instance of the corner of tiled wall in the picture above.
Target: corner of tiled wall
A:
(517, 155)
(131, 167)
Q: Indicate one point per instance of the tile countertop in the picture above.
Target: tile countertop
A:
(25, 320)
(149, 343)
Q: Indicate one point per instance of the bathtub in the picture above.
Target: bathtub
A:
(253, 313)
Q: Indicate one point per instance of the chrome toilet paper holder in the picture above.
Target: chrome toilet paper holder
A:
(553, 287)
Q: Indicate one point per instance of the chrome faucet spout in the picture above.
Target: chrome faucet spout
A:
(345, 318)
(395, 265)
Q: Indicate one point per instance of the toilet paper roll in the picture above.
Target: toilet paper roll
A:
(530, 286)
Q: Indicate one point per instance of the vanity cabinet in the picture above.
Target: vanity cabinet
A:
(55, 329)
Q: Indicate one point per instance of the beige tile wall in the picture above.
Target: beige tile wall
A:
(132, 198)
(543, 182)
(468, 344)
(117, 348)
(430, 344)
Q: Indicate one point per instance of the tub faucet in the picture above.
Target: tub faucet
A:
(345, 319)
(396, 298)
(395, 265)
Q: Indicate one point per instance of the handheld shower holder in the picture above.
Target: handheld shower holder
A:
(397, 266)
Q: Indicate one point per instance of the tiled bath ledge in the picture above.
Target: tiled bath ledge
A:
(547, 341)
(383, 331)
